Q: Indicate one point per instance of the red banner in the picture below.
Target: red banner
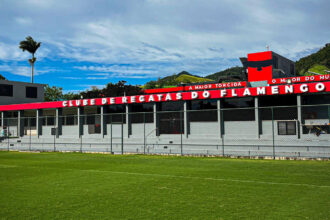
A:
(301, 79)
(178, 96)
(215, 86)
(197, 87)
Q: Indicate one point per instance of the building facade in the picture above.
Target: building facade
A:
(12, 92)
(281, 119)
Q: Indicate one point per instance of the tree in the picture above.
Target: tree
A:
(71, 96)
(112, 90)
(31, 46)
(53, 93)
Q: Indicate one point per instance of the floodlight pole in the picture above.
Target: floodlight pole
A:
(144, 133)
(272, 108)
(181, 131)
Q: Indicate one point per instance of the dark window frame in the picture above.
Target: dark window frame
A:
(7, 86)
(142, 113)
(31, 92)
(203, 110)
(287, 131)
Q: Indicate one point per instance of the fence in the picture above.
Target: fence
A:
(283, 131)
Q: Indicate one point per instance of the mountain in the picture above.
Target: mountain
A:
(174, 80)
(317, 62)
(2, 77)
(232, 72)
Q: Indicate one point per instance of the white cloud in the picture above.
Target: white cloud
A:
(24, 70)
(23, 20)
(158, 37)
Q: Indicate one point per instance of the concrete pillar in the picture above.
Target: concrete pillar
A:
(39, 122)
(186, 121)
(20, 124)
(220, 119)
(103, 121)
(128, 120)
(156, 119)
(257, 117)
(58, 121)
(299, 114)
(2, 119)
(81, 118)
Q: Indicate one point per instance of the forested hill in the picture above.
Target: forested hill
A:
(174, 80)
(233, 71)
(318, 62)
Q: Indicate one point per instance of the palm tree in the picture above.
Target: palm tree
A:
(31, 46)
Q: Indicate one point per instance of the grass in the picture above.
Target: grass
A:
(96, 186)
(191, 79)
(317, 68)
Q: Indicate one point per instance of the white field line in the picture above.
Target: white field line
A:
(183, 177)
(193, 177)
(209, 178)
(7, 166)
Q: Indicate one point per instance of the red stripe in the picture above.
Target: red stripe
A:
(213, 94)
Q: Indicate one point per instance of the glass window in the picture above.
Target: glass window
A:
(6, 90)
(231, 114)
(286, 127)
(142, 113)
(170, 122)
(203, 110)
(280, 111)
(69, 120)
(90, 119)
(31, 92)
(115, 114)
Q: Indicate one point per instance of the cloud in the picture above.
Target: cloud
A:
(23, 20)
(152, 38)
(24, 70)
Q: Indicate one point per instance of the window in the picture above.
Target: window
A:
(280, 109)
(31, 92)
(48, 120)
(238, 109)
(69, 120)
(141, 113)
(286, 127)
(207, 110)
(115, 114)
(6, 90)
(90, 119)
(170, 118)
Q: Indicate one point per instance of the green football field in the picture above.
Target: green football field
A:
(97, 186)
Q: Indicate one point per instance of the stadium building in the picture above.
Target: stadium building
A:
(269, 112)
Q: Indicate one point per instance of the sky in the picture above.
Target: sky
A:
(92, 42)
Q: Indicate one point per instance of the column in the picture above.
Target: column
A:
(58, 122)
(128, 120)
(156, 119)
(220, 120)
(186, 121)
(103, 121)
(80, 112)
(2, 119)
(39, 122)
(20, 124)
(257, 117)
(299, 114)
